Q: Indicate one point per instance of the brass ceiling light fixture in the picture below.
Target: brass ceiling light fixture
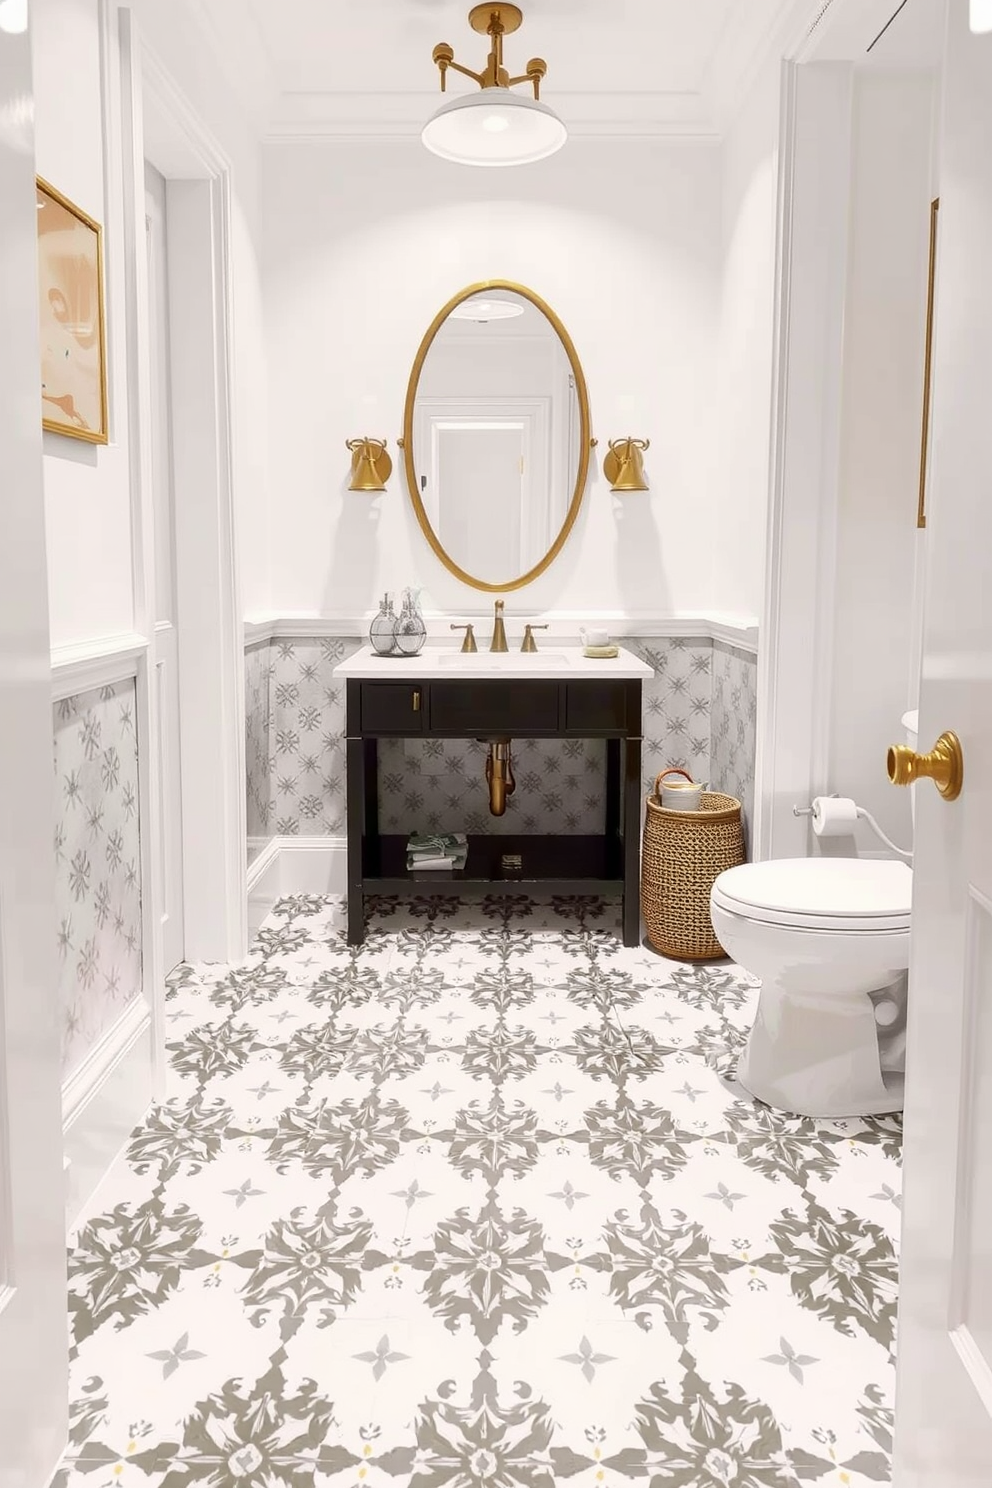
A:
(494, 126)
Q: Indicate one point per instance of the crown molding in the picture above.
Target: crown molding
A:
(303, 117)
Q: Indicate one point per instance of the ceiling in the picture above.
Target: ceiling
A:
(621, 68)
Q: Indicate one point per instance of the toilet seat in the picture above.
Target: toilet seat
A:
(822, 894)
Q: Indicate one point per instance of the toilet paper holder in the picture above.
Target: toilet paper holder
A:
(863, 815)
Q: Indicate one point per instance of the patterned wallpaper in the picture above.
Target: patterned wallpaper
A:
(98, 863)
(296, 773)
(733, 725)
(258, 734)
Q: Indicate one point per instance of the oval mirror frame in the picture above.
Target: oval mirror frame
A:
(586, 440)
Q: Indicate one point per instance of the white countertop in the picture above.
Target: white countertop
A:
(448, 664)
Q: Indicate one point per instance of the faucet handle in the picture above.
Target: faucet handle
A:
(529, 644)
(468, 644)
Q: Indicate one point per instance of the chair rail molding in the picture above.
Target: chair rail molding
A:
(738, 631)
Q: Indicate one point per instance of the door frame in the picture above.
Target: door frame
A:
(795, 658)
(158, 123)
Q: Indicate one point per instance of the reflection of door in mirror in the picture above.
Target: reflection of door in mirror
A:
(483, 467)
(480, 476)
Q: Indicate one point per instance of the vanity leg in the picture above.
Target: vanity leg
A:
(355, 766)
(612, 788)
(632, 842)
(371, 788)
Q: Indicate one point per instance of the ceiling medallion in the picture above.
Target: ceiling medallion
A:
(494, 126)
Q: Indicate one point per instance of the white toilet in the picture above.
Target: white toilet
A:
(829, 939)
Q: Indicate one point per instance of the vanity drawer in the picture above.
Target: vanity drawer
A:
(600, 707)
(393, 707)
(483, 709)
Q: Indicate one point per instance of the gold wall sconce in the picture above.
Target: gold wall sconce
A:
(371, 466)
(624, 465)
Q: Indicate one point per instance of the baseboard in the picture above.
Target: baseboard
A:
(294, 865)
(102, 1101)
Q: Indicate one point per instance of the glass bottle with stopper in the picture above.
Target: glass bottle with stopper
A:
(410, 632)
(382, 631)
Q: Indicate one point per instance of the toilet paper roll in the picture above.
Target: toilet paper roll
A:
(834, 816)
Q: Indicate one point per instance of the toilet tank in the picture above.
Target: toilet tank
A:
(911, 723)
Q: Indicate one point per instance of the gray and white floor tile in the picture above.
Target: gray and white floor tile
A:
(479, 1203)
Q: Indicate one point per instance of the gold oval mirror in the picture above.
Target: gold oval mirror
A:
(496, 435)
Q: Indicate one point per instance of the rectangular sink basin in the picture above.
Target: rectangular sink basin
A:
(502, 661)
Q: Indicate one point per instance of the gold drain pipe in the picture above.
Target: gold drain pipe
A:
(499, 775)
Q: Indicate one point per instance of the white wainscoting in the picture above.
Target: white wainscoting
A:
(102, 1101)
(108, 1093)
(295, 865)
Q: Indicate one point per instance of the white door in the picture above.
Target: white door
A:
(479, 467)
(33, 1332)
(943, 1436)
(166, 632)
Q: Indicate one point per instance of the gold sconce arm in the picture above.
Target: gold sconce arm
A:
(371, 466)
(624, 465)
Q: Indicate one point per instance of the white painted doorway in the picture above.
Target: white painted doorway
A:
(33, 1323)
(480, 491)
(944, 1375)
(170, 845)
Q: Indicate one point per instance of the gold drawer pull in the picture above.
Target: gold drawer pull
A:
(416, 700)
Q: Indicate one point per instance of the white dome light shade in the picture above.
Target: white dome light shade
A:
(478, 308)
(981, 16)
(494, 127)
(13, 16)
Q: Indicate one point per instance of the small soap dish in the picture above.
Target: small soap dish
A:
(601, 653)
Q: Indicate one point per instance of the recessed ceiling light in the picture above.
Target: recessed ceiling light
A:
(484, 310)
(13, 16)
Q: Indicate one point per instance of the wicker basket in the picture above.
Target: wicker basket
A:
(684, 853)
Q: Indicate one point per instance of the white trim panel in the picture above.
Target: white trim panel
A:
(102, 1101)
(100, 663)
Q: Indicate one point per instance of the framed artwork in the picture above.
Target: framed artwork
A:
(921, 510)
(73, 336)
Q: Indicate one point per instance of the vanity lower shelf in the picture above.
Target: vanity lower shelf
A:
(548, 864)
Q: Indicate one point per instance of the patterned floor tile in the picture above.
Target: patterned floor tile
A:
(479, 1203)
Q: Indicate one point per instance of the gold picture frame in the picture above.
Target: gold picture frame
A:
(921, 508)
(71, 318)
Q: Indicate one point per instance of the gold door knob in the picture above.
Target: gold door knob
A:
(944, 765)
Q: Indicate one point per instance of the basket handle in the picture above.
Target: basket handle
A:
(673, 770)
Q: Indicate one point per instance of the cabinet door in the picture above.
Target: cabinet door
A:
(596, 708)
(392, 708)
(494, 709)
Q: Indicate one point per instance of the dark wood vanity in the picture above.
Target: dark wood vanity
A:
(425, 707)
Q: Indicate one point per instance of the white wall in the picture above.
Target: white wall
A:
(880, 438)
(363, 244)
(88, 488)
(743, 382)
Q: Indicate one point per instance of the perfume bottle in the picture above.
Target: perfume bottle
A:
(409, 631)
(382, 630)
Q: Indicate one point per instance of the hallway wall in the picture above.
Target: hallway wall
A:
(102, 608)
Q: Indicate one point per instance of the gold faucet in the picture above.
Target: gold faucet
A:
(529, 643)
(499, 630)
